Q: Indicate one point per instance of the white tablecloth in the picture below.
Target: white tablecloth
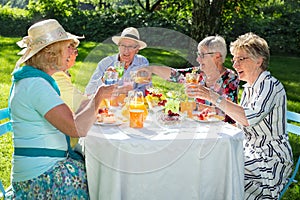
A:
(198, 161)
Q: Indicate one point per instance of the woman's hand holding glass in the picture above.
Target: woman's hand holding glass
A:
(125, 85)
(113, 74)
(191, 81)
(192, 78)
(110, 76)
(193, 90)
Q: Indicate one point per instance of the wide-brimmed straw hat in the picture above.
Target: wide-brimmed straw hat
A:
(132, 34)
(40, 35)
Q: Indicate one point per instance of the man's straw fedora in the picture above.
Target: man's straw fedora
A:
(132, 34)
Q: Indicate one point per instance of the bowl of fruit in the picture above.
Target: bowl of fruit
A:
(170, 117)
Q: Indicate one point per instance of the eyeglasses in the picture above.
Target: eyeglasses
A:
(124, 47)
(201, 55)
(239, 60)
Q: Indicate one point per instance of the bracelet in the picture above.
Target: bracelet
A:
(218, 101)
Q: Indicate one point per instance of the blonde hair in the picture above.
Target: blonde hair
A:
(50, 57)
(254, 45)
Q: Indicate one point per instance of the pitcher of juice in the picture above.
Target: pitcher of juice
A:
(136, 102)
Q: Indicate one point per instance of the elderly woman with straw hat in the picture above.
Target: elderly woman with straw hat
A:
(129, 44)
(44, 165)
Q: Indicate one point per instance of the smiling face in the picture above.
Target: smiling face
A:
(69, 54)
(250, 56)
(127, 50)
(247, 67)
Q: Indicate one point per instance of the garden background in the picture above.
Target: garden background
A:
(276, 21)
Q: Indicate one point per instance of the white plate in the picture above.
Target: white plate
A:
(117, 123)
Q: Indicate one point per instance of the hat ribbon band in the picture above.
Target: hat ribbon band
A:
(131, 36)
(28, 41)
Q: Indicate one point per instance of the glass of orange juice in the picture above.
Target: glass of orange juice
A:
(188, 106)
(136, 102)
(192, 78)
(136, 119)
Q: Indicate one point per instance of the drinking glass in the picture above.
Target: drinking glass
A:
(119, 67)
(136, 102)
(110, 77)
(141, 76)
(127, 81)
(136, 118)
(192, 78)
(189, 107)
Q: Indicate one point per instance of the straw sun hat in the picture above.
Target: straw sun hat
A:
(40, 35)
(132, 34)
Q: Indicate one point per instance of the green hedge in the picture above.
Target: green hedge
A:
(278, 25)
(13, 22)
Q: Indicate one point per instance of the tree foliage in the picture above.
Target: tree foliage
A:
(275, 20)
(53, 9)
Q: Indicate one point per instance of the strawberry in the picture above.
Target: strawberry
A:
(201, 117)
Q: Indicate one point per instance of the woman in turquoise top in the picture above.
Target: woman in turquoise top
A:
(44, 166)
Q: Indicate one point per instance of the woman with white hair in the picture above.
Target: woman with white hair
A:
(261, 114)
(44, 165)
(211, 56)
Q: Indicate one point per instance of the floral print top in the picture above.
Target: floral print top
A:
(227, 85)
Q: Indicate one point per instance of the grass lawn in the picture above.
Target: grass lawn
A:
(286, 69)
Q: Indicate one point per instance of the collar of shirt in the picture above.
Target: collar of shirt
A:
(261, 77)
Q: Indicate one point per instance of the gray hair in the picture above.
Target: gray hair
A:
(215, 44)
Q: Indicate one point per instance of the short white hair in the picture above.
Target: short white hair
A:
(214, 44)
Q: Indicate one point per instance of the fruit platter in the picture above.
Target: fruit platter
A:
(155, 99)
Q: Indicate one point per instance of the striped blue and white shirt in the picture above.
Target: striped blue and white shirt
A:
(268, 155)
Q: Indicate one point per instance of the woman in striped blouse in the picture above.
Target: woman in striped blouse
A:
(261, 115)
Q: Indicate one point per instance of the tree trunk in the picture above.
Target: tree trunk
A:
(206, 18)
(147, 6)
